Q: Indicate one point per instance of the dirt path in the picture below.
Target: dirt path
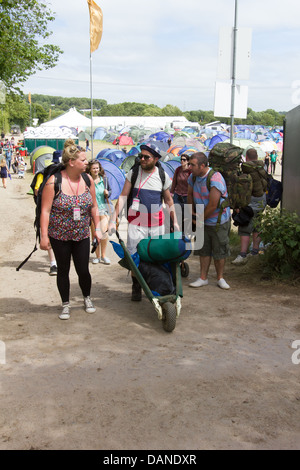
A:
(224, 379)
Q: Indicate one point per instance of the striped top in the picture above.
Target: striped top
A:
(201, 195)
(148, 187)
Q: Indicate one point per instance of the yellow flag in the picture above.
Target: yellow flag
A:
(29, 98)
(96, 25)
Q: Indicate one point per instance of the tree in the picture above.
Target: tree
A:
(170, 110)
(23, 24)
(17, 109)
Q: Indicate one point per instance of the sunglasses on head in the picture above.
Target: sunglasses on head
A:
(145, 157)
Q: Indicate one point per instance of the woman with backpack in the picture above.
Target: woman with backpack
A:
(65, 223)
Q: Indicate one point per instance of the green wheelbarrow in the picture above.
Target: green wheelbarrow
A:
(167, 307)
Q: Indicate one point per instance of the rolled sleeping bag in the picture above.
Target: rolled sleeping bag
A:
(170, 247)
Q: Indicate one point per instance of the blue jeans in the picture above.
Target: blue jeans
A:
(181, 201)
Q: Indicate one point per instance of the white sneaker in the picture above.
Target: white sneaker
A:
(65, 314)
(105, 260)
(88, 305)
(95, 260)
(239, 260)
(223, 284)
(199, 283)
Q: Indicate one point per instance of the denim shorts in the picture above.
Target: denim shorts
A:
(216, 241)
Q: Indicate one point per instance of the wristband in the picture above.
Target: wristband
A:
(97, 229)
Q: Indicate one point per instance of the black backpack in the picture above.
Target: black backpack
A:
(54, 169)
(274, 192)
(135, 172)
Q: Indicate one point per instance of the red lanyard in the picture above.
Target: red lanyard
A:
(73, 190)
(141, 185)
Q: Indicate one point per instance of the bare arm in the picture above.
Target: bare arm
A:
(170, 203)
(95, 211)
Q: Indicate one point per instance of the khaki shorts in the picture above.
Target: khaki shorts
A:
(216, 242)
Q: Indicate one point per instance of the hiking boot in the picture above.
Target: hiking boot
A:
(239, 260)
(136, 294)
(53, 271)
(88, 305)
(65, 314)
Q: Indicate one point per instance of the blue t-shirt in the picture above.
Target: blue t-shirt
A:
(201, 195)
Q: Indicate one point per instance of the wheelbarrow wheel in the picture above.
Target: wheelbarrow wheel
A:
(169, 316)
(184, 268)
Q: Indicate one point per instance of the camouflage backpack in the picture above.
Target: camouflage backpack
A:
(226, 158)
(259, 176)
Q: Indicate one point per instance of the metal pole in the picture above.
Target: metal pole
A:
(91, 92)
(233, 85)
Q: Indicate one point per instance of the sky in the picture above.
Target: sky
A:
(166, 52)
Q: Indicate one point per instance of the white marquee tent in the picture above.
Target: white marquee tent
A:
(71, 118)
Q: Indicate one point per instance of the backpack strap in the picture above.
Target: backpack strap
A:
(86, 178)
(58, 181)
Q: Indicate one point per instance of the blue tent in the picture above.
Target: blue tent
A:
(115, 156)
(173, 164)
(99, 133)
(134, 150)
(216, 139)
(169, 169)
(159, 143)
(115, 175)
(162, 136)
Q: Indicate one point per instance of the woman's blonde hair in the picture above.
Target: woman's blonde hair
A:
(70, 151)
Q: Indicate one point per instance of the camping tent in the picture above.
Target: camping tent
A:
(115, 156)
(124, 139)
(99, 133)
(70, 119)
(40, 157)
(115, 175)
(128, 162)
(169, 169)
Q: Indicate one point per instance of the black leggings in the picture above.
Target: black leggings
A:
(80, 252)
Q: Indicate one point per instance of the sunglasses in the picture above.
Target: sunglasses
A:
(145, 157)
(183, 159)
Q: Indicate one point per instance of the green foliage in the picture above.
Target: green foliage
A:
(23, 24)
(46, 107)
(281, 230)
(17, 109)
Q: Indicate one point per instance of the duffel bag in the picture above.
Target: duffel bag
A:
(169, 247)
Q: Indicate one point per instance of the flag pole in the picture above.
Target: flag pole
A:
(91, 94)
(96, 27)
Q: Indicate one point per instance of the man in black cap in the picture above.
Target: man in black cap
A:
(145, 214)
